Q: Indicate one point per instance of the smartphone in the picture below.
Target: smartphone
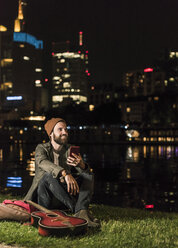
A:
(74, 149)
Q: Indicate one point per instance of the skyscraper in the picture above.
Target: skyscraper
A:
(70, 74)
(21, 67)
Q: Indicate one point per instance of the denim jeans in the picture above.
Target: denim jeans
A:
(50, 188)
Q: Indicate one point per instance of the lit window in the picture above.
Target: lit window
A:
(83, 98)
(128, 109)
(6, 85)
(57, 98)
(3, 28)
(66, 85)
(6, 62)
(38, 69)
(66, 75)
(38, 83)
(26, 58)
(174, 106)
(56, 78)
(172, 54)
(91, 107)
(62, 61)
(172, 79)
(156, 98)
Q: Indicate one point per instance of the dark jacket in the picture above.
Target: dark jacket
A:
(44, 163)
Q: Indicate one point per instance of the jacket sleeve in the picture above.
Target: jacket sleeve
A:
(43, 161)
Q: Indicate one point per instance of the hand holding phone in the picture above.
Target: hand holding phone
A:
(75, 150)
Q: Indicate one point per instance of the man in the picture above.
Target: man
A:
(55, 182)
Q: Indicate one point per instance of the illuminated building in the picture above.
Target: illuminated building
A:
(27, 70)
(70, 74)
(21, 73)
(144, 82)
(102, 94)
(171, 68)
(6, 62)
(133, 109)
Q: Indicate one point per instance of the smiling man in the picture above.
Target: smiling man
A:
(55, 182)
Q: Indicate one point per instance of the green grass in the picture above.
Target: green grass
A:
(120, 227)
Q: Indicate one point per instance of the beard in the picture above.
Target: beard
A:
(60, 140)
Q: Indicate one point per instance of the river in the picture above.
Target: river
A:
(135, 176)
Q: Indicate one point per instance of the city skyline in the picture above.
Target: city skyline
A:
(120, 35)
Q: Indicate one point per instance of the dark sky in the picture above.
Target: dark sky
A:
(121, 35)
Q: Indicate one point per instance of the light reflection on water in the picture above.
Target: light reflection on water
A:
(126, 176)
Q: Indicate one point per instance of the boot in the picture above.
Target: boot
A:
(84, 215)
(94, 219)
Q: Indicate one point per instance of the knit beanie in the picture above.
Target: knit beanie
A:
(50, 124)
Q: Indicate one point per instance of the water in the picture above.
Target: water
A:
(125, 176)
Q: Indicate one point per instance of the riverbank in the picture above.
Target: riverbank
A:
(120, 227)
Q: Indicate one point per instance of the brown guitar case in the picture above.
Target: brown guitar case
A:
(13, 212)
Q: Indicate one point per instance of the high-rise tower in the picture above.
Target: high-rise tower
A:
(70, 75)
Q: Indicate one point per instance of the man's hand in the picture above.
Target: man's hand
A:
(72, 185)
(76, 160)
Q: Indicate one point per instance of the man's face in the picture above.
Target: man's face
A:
(60, 133)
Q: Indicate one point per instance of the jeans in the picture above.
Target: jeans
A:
(50, 188)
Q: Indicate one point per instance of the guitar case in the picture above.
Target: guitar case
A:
(14, 212)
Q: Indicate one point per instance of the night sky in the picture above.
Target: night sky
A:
(121, 35)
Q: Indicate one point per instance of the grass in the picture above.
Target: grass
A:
(120, 227)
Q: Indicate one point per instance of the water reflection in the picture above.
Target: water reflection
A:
(1, 154)
(14, 182)
(31, 164)
(126, 176)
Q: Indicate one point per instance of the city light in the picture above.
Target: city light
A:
(80, 38)
(14, 98)
(38, 69)
(91, 107)
(14, 182)
(149, 206)
(34, 118)
(148, 69)
(3, 28)
(24, 37)
(26, 58)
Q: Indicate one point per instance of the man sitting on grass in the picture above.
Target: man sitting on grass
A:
(55, 182)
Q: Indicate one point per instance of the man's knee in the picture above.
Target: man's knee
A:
(45, 180)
